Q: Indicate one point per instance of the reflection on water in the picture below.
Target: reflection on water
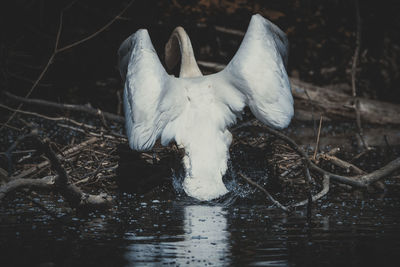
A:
(204, 241)
(143, 231)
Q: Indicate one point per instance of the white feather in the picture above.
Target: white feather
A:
(196, 111)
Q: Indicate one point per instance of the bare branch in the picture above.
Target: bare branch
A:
(317, 143)
(102, 29)
(70, 107)
(65, 119)
(356, 101)
(341, 163)
(357, 181)
(323, 192)
(269, 196)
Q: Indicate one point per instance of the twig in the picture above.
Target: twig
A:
(356, 52)
(309, 200)
(323, 192)
(20, 151)
(353, 78)
(62, 179)
(11, 149)
(80, 124)
(97, 171)
(108, 136)
(333, 151)
(10, 127)
(96, 32)
(341, 163)
(269, 196)
(230, 31)
(312, 112)
(317, 143)
(309, 179)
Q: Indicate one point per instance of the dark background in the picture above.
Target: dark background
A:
(322, 37)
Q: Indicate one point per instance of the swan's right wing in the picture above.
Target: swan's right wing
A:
(150, 100)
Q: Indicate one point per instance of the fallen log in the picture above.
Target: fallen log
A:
(336, 104)
(378, 137)
(332, 103)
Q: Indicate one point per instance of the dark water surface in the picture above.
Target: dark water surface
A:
(142, 231)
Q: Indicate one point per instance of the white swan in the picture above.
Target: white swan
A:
(196, 110)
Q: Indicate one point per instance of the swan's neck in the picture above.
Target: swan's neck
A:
(205, 164)
(179, 46)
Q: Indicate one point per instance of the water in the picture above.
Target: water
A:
(177, 231)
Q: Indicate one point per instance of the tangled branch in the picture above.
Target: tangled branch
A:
(59, 182)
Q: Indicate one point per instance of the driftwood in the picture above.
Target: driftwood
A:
(333, 104)
(43, 183)
(336, 104)
(377, 137)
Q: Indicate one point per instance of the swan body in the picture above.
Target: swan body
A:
(195, 111)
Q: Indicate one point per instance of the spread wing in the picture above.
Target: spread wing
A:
(150, 103)
(258, 72)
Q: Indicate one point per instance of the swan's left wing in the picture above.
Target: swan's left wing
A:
(258, 72)
(150, 100)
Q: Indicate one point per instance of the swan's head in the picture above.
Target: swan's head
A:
(180, 48)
